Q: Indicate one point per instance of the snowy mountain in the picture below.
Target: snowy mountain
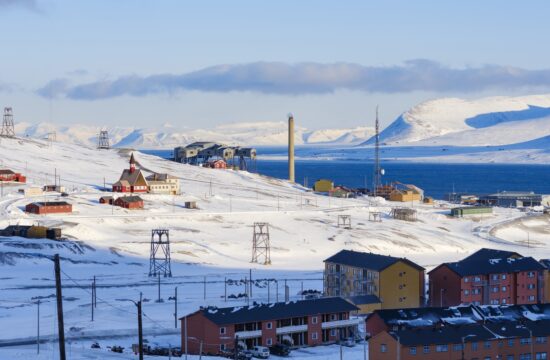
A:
(256, 133)
(490, 121)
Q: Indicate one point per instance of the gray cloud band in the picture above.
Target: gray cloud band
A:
(308, 78)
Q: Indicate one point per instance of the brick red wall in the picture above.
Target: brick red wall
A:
(444, 278)
(314, 328)
(35, 209)
(269, 333)
(375, 324)
(199, 328)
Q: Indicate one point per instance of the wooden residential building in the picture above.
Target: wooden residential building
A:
(216, 164)
(296, 323)
(131, 180)
(129, 202)
(8, 175)
(163, 184)
(396, 282)
(50, 207)
(489, 277)
(106, 200)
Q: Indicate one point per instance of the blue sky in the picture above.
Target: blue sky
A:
(202, 63)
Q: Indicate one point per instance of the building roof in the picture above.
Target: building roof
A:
(160, 177)
(132, 159)
(368, 260)
(428, 316)
(281, 310)
(486, 253)
(545, 263)
(51, 203)
(132, 178)
(494, 266)
(106, 197)
(442, 335)
(130, 199)
(6, 172)
(364, 299)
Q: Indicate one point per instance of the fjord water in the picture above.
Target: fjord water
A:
(437, 179)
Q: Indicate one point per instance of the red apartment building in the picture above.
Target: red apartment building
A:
(297, 323)
(488, 277)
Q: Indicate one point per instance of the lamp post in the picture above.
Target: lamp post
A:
(464, 343)
(398, 347)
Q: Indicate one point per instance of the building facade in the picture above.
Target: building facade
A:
(296, 323)
(163, 184)
(129, 202)
(52, 207)
(489, 277)
(131, 180)
(11, 176)
(396, 282)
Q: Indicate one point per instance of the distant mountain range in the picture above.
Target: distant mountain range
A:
(246, 134)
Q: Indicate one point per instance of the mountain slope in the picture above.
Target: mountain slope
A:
(166, 136)
(460, 122)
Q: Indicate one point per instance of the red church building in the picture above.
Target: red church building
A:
(131, 180)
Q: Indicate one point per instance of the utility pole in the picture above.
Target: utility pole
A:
(225, 289)
(185, 334)
(140, 331)
(236, 349)
(38, 327)
(59, 296)
(250, 286)
(204, 288)
(92, 302)
(95, 293)
(176, 307)
(158, 300)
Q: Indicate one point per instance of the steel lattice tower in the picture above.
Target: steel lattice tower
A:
(159, 260)
(377, 176)
(103, 140)
(8, 127)
(261, 247)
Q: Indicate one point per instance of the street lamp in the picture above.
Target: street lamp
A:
(464, 344)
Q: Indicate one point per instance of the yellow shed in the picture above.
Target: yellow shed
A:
(323, 185)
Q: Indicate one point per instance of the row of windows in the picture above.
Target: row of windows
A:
(530, 274)
(474, 346)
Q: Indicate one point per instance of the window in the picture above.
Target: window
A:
(531, 274)
(487, 345)
(314, 336)
(530, 286)
(509, 357)
(474, 346)
(503, 289)
(332, 317)
(383, 348)
(525, 341)
(269, 341)
(495, 277)
(511, 342)
(495, 289)
(269, 325)
(457, 347)
(441, 348)
(222, 347)
(503, 276)
(332, 332)
(477, 279)
(412, 350)
(541, 340)
(466, 292)
(426, 349)
(531, 297)
(525, 357)
(466, 279)
(314, 320)
(503, 301)
(541, 356)
(222, 330)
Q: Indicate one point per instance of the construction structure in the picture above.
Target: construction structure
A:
(378, 171)
(8, 127)
(291, 177)
(375, 216)
(405, 214)
(103, 140)
(204, 152)
(261, 246)
(159, 259)
(344, 221)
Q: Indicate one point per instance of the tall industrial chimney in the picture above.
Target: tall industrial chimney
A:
(291, 147)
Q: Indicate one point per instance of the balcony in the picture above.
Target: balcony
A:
(248, 334)
(340, 323)
(291, 329)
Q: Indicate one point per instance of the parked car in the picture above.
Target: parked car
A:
(260, 352)
(280, 350)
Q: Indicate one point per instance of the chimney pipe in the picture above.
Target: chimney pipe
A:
(291, 148)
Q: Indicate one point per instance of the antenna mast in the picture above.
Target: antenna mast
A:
(376, 183)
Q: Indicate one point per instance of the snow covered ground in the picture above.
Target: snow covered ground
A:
(208, 246)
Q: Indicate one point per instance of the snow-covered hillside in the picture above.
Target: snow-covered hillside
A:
(482, 122)
(167, 136)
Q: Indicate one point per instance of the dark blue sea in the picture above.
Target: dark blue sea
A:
(436, 179)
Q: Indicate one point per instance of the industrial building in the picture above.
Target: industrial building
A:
(32, 232)
(295, 323)
(396, 282)
(512, 199)
(471, 210)
(201, 152)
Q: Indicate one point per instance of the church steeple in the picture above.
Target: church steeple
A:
(132, 163)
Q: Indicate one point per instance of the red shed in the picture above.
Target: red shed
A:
(216, 164)
(52, 207)
(129, 202)
(106, 200)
